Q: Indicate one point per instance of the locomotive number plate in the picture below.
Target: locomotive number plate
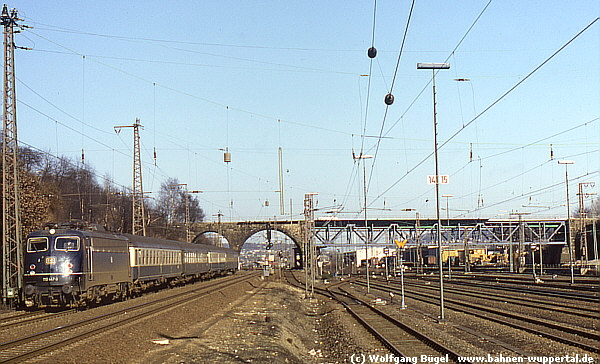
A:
(50, 260)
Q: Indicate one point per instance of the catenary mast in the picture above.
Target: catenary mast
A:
(139, 221)
(11, 207)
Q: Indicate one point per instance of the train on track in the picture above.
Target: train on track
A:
(76, 265)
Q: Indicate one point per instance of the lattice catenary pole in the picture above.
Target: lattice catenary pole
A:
(11, 208)
(139, 221)
(309, 245)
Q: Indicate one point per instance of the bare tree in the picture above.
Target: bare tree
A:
(594, 209)
(170, 203)
(60, 190)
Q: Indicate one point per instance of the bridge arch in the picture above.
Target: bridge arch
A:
(237, 233)
(210, 238)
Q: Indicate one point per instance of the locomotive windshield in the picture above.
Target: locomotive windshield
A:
(39, 244)
(70, 244)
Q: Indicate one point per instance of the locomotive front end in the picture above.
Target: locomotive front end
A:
(53, 268)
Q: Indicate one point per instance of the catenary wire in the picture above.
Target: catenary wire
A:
(390, 93)
(490, 106)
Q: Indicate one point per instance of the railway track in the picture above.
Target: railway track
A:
(561, 332)
(400, 339)
(39, 343)
(536, 303)
(30, 317)
(561, 291)
(588, 284)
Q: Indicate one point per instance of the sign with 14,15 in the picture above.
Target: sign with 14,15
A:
(442, 179)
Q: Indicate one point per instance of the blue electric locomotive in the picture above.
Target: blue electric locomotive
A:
(75, 265)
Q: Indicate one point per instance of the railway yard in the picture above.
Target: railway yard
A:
(246, 317)
(417, 230)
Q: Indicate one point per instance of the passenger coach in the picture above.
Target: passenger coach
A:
(74, 265)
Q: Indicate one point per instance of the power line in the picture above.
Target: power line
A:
(389, 97)
(74, 164)
(82, 134)
(451, 53)
(412, 5)
(499, 183)
(518, 83)
(542, 139)
(183, 93)
(371, 53)
(532, 193)
(488, 108)
(59, 109)
(147, 164)
(170, 41)
(54, 28)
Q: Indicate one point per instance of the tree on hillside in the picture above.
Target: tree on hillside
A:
(169, 206)
(58, 189)
(61, 190)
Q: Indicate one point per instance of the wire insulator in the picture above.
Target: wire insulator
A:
(372, 52)
(389, 99)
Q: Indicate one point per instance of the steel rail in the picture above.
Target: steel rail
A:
(590, 284)
(478, 311)
(391, 347)
(567, 295)
(24, 319)
(522, 301)
(329, 294)
(427, 341)
(161, 303)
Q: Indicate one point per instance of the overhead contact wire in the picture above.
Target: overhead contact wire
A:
(363, 122)
(390, 93)
(488, 108)
(450, 55)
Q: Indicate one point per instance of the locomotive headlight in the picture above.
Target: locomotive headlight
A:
(67, 268)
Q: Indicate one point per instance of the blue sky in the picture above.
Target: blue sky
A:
(203, 76)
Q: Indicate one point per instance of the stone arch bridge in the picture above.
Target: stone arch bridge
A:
(237, 233)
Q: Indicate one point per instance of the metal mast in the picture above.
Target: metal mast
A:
(139, 222)
(309, 245)
(11, 208)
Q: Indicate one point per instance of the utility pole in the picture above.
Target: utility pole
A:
(568, 222)
(11, 207)
(219, 214)
(281, 197)
(583, 216)
(188, 231)
(521, 244)
(367, 231)
(309, 246)
(519, 263)
(139, 220)
(418, 240)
